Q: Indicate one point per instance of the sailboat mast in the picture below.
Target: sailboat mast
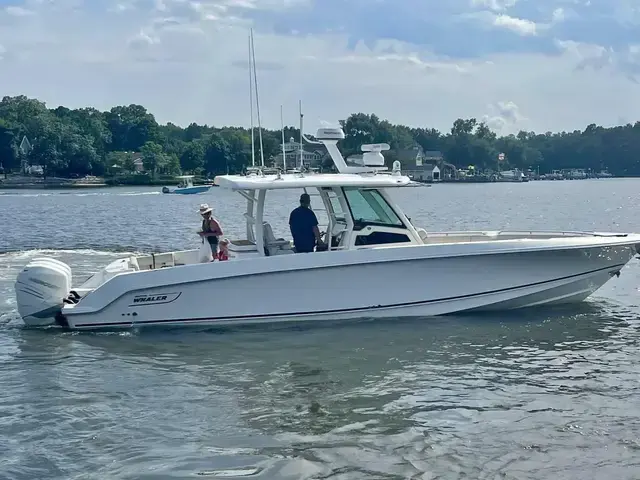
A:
(253, 142)
(255, 80)
(284, 154)
(301, 146)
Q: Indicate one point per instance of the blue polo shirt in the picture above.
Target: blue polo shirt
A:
(301, 222)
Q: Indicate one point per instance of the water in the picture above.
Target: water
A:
(544, 394)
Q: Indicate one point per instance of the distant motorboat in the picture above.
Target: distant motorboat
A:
(514, 175)
(186, 186)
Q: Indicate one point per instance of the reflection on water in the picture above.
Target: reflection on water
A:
(541, 396)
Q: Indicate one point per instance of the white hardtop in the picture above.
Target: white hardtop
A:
(377, 221)
(370, 173)
(186, 181)
(318, 180)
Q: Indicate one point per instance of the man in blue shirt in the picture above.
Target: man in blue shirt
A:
(304, 226)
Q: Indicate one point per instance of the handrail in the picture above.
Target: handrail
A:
(487, 233)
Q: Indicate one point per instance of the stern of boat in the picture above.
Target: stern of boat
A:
(42, 288)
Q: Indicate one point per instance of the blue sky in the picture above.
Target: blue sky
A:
(518, 64)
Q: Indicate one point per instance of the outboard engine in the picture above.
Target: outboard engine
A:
(41, 289)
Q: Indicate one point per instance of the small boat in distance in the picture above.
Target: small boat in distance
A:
(186, 186)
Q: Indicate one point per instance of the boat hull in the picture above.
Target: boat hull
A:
(317, 287)
(190, 190)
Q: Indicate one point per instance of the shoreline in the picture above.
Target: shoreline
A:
(68, 184)
(51, 186)
(64, 184)
(75, 187)
(55, 186)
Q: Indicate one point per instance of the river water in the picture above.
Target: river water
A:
(525, 395)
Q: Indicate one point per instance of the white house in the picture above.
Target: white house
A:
(426, 173)
(413, 161)
(25, 149)
(292, 155)
(139, 164)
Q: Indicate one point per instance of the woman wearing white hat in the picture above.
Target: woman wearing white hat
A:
(211, 229)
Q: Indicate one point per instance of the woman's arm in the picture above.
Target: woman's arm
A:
(216, 229)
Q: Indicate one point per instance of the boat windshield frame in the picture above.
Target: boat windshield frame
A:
(341, 222)
(186, 181)
(378, 205)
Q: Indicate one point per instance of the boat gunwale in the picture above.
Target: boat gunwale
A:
(224, 272)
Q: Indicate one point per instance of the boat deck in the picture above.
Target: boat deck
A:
(240, 249)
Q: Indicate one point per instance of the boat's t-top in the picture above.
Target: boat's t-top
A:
(358, 210)
(185, 181)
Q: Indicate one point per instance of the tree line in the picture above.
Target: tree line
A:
(85, 141)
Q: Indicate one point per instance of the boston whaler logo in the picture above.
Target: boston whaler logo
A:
(154, 299)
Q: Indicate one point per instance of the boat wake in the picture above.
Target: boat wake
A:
(28, 254)
(78, 194)
(135, 194)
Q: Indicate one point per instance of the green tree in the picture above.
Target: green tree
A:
(89, 122)
(217, 158)
(171, 164)
(87, 141)
(8, 149)
(192, 159)
(116, 162)
(152, 157)
(361, 128)
(131, 127)
(239, 144)
(429, 139)
(79, 154)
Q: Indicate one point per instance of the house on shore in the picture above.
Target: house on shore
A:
(138, 162)
(421, 166)
(311, 157)
(26, 167)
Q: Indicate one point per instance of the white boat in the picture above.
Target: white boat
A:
(186, 186)
(378, 264)
(514, 175)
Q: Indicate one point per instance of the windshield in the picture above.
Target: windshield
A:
(336, 207)
(368, 206)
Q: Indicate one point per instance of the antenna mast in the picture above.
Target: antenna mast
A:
(255, 79)
(253, 142)
(284, 154)
(301, 146)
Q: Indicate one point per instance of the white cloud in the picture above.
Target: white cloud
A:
(18, 11)
(532, 65)
(495, 5)
(607, 59)
(505, 117)
(518, 25)
(558, 15)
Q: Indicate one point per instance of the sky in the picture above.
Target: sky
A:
(541, 65)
